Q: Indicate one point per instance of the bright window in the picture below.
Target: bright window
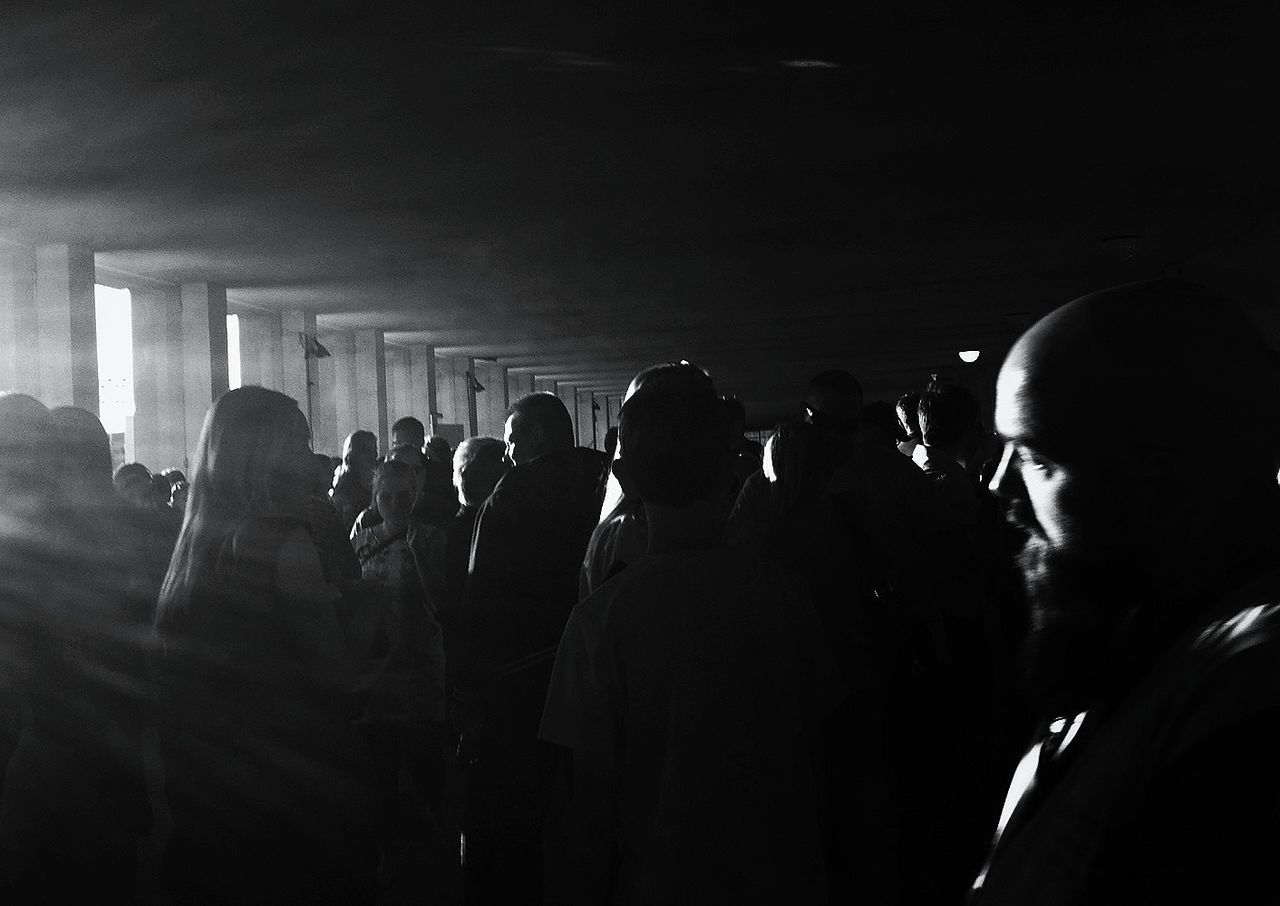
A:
(233, 351)
(115, 356)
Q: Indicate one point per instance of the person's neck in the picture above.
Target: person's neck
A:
(696, 527)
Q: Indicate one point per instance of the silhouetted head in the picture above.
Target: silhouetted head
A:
(734, 414)
(538, 424)
(908, 411)
(672, 437)
(796, 464)
(253, 459)
(83, 452)
(949, 417)
(478, 465)
(360, 452)
(408, 431)
(174, 475)
(132, 482)
(879, 423)
(1161, 518)
(395, 488)
(833, 401)
(24, 436)
(438, 448)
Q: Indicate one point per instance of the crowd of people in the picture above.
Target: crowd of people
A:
(895, 656)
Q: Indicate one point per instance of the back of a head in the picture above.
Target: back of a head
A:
(360, 449)
(84, 450)
(672, 436)
(880, 415)
(24, 434)
(408, 430)
(478, 465)
(796, 464)
(251, 460)
(438, 449)
(132, 481)
(834, 399)
(734, 413)
(549, 413)
(947, 412)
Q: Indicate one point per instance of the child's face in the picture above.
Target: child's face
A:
(395, 500)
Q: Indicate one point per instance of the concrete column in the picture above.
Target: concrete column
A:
(159, 421)
(518, 384)
(261, 352)
(371, 383)
(296, 326)
(491, 404)
(452, 392)
(422, 379)
(204, 352)
(587, 420)
(19, 330)
(342, 347)
(399, 385)
(324, 409)
(66, 320)
(568, 395)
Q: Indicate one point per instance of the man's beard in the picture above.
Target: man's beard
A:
(1080, 608)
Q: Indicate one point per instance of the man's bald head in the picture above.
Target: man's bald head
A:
(1173, 347)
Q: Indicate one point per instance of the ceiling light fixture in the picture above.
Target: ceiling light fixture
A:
(969, 356)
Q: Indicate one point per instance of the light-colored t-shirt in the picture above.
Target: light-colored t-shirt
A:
(701, 675)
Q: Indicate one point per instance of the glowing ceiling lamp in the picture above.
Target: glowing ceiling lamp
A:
(969, 356)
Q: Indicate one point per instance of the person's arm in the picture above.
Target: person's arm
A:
(592, 826)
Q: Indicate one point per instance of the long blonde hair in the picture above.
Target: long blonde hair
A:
(247, 464)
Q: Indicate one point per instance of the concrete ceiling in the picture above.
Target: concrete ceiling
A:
(579, 192)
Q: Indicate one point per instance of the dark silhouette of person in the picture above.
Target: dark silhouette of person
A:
(408, 431)
(1153, 660)
(528, 543)
(690, 689)
(266, 778)
(75, 803)
(352, 487)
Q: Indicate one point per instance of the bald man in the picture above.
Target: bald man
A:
(1153, 577)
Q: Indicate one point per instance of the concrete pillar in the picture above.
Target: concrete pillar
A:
(518, 384)
(568, 395)
(19, 330)
(324, 409)
(492, 402)
(422, 379)
(342, 347)
(454, 396)
(399, 385)
(469, 390)
(296, 366)
(67, 328)
(159, 422)
(588, 435)
(261, 352)
(204, 352)
(371, 383)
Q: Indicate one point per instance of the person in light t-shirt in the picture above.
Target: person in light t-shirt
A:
(689, 690)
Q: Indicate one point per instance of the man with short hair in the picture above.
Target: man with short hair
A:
(408, 431)
(908, 411)
(690, 689)
(1154, 653)
(529, 540)
(948, 417)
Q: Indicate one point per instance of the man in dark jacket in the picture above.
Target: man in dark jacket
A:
(529, 541)
(1154, 652)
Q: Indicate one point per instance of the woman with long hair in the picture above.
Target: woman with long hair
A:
(266, 778)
